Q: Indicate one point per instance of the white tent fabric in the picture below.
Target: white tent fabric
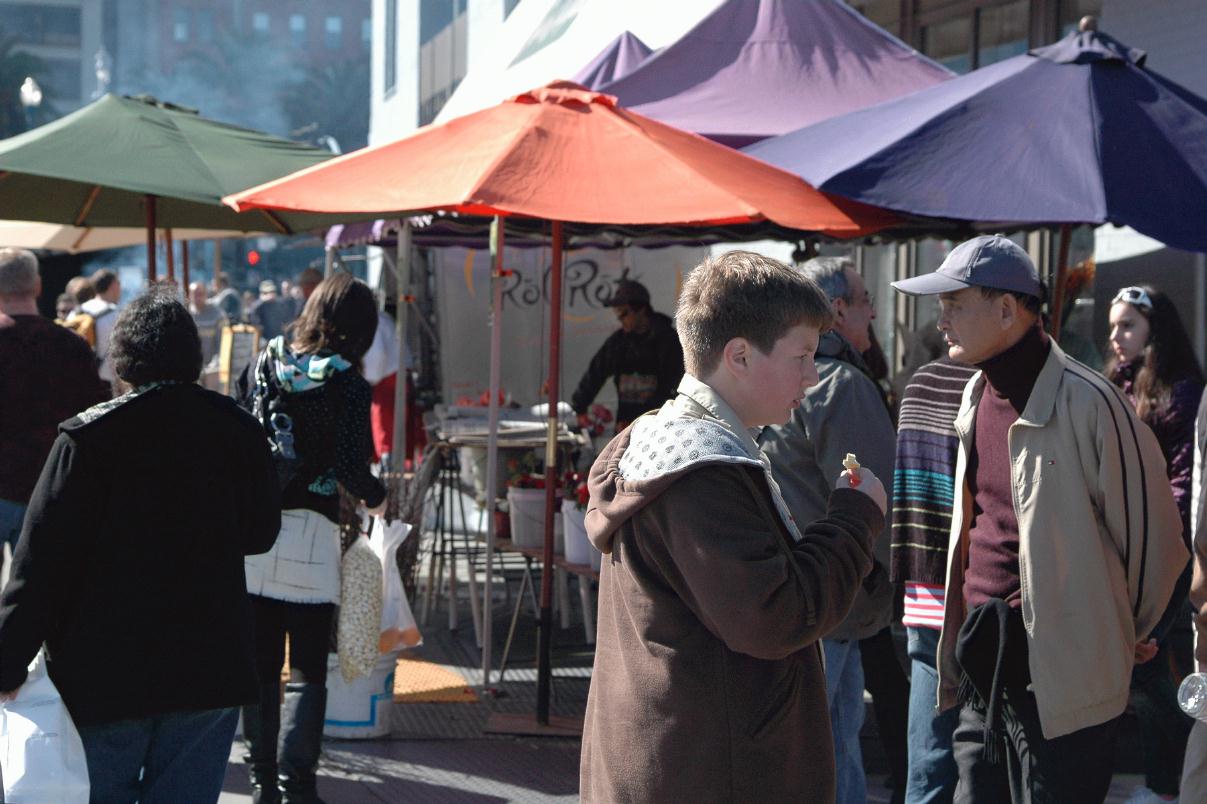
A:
(77, 239)
(544, 40)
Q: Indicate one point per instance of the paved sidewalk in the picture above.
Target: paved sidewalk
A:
(439, 752)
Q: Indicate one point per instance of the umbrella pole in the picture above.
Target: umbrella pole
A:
(217, 263)
(544, 669)
(171, 252)
(184, 267)
(152, 273)
(492, 437)
(1058, 289)
(402, 263)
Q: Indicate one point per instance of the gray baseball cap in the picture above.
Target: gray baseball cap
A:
(988, 261)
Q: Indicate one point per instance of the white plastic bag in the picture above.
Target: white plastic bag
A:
(41, 755)
(398, 628)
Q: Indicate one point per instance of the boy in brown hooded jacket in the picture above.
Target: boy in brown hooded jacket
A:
(708, 681)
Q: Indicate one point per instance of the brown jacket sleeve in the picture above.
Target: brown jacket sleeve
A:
(734, 568)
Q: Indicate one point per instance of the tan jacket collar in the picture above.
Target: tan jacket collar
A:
(1040, 405)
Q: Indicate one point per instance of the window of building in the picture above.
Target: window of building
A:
(1071, 12)
(885, 13)
(259, 23)
(204, 18)
(391, 48)
(333, 33)
(180, 25)
(366, 32)
(950, 43)
(63, 79)
(43, 25)
(297, 30)
(442, 54)
(1002, 31)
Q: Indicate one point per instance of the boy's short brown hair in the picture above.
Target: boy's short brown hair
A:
(741, 294)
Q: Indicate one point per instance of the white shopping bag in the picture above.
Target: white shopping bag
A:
(41, 756)
(398, 629)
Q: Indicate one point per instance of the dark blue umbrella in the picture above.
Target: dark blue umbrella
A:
(1075, 132)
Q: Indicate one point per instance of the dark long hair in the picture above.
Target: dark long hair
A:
(340, 316)
(1164, 361)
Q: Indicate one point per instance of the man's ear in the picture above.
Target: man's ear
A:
(1007, 311)
(839, 308)
(736, 356)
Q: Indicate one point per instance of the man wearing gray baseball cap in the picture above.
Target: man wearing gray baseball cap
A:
(1064, 549)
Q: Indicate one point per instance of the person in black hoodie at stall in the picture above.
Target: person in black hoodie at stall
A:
(643, 358)
(317, 381)
(134, 589)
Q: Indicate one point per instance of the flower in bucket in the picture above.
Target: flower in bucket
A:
(574, 487)
(598, 419)
(522, 473)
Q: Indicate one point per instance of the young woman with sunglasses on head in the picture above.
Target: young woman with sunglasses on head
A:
(1152, 362)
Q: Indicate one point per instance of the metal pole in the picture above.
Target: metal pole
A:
(398, 445)
(152, 273)
(328, 261)
(544, 669)
(1062, 271)
(492, 439)
(171, 251)
(184, 267)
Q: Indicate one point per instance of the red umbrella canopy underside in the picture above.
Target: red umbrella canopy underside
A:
(562, 152)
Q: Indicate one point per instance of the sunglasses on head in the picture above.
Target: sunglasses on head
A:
(1135, 296)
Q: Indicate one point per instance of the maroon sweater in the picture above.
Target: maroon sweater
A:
(993, 529)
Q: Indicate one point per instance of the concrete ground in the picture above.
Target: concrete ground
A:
(441, 752)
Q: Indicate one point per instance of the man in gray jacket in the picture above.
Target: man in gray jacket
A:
(844, 412)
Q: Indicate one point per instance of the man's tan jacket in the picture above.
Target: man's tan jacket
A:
(1100, 542)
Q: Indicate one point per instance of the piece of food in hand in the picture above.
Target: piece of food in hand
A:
(851, 465)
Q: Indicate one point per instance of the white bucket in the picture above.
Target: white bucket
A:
(527, 510)
(362, 709)
(578, 549)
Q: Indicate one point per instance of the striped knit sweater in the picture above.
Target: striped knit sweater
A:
(923, 476)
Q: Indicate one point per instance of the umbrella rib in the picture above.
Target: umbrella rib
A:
(86, 207)
(275, 221)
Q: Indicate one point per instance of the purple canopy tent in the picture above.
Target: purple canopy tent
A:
(617, 60)
(1079, 131)
(752, 70)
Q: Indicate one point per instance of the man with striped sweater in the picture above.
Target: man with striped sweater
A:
(923, 488)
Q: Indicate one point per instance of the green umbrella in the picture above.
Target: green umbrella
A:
(125, 161)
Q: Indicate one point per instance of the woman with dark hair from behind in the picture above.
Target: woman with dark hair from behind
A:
(129, 569)
(1151, 360)
(296, 585)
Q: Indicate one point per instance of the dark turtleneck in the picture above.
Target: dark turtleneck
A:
(993, 531)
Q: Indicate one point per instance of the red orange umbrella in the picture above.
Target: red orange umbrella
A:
(562, 153)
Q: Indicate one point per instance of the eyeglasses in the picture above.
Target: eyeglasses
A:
(1135, 296)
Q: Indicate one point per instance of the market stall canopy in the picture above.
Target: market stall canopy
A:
(1075, 132)
(758, 68)
(563, 153)
(622, 55)
(545, 40)
(79, 239)
(96, 166)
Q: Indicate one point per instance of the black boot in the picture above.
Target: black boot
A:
(261, 724)
(301, 742)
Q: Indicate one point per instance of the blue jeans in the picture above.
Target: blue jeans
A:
(932, 767)
(12, 516)
(844, 696)
(172, 759)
